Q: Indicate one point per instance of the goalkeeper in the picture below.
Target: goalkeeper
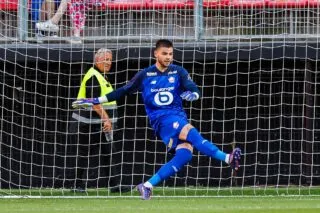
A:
(164, 86)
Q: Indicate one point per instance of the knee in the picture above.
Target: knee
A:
(185, 145)
(184, 154)
(185, 131)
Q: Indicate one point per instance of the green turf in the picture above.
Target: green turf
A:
(280, 204)
(235, 199)
(169, 191)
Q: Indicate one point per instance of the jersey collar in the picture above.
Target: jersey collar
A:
(161, 73)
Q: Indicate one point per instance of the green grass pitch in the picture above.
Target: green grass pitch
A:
(261, 200)
(165, 205)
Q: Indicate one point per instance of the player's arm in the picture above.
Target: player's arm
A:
(132, 86)
(191, 92)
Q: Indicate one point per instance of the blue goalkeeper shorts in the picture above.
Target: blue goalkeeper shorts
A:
(169, 128)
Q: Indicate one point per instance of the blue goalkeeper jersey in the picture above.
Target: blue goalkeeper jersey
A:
(160, 91)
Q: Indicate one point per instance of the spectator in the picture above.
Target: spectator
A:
(92, 129)
(77, 10)
(42, 10)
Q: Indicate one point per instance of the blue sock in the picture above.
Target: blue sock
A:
(204, 146)
(182, 157)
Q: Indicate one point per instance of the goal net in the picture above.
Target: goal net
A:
(255, 62)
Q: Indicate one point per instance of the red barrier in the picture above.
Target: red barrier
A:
(313, 3)
(287, 3)
(248, 3)
(125, 4)
(216, 3)
(12, 5)
(9, 5)
(170, 4)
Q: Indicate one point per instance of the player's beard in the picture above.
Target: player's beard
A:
(165, 64)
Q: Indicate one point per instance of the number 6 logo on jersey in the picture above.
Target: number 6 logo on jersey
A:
(163, 98)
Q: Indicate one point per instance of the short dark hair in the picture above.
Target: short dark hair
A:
(164, 43)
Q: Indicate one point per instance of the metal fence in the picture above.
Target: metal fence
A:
(180, 23)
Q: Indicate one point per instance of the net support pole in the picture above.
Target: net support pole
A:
(309, 126)
(198, 19)
(23, 20)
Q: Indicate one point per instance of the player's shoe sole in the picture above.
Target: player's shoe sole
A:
(234, 159)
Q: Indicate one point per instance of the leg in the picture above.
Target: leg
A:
(48, 8)
(95, 152)
(182, 157)
(35, 10)
(43, 11)
(105, 153)
(191, 134)
(88, 137)
(82, 161)
(78, 141)
(60, 11)
(111, 151)
(51, 25)
(77, 9)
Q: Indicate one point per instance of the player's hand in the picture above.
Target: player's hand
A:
(189, 96)
(85, 103)
(107, 126)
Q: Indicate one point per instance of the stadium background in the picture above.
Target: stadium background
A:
(263, 58)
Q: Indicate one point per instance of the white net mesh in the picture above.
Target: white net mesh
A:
(255, 63)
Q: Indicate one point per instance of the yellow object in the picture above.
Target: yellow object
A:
(105, 86)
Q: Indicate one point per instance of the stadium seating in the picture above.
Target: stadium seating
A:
(248, 3)
(9, 5)
(125, 4)
(12, 5)
(170, 4)
(215, 3)
(314, 3)
(287, 3)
